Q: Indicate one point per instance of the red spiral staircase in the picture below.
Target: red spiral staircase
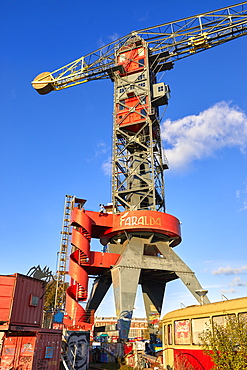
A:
(83, 263)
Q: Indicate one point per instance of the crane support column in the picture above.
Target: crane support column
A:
(152, 265)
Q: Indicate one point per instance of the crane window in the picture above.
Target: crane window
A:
(121, 90)
(182, 331)
(141, 51)
(198, 326)
(121, 105)
(160, 88)
(121, 58)
(141, 62)
(140, 77)
(142, 84)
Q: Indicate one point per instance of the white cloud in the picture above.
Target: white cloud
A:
(238, 282)
(107, 167)
(228, 291)
(241, 195)
(244, 205)
(100, 43)
(112, 37)
(230, 271)
(200, 136)
(101, 148)
(115, 36)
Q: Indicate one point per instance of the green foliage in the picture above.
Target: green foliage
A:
(51, 294)
(227, 344)
(49, 305)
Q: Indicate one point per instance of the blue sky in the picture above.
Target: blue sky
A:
(61, 143)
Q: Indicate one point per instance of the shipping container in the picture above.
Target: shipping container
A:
(21, 301)
(31, 351)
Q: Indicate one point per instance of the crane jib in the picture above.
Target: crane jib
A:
(177, 40)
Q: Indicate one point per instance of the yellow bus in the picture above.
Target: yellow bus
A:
(181, 329)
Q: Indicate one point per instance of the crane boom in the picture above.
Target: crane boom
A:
(167, 43)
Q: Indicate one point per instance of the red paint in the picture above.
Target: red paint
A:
(105, 226)
(130, 58)
(132, 113)
(194, 357)
(16, 307)
(83, 262)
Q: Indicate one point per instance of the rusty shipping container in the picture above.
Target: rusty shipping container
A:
(21, 301)
(32, 351)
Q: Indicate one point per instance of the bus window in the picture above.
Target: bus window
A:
(222, 319)
(164, 335)
(169, 333)
(197, 327)
(182, 331)
(243, 316)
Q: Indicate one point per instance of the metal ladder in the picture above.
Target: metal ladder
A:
(62, 270)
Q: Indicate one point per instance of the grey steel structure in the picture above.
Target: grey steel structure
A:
(138, 158)
(133, 62)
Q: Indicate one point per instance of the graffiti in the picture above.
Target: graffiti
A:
(9, 351)
(25, 359)
(78, 345)
(153, 317)
(126, 315)
(27, 347)
(123, 323)
(51, 363)
(42, 364)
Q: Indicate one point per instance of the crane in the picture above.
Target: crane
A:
(137, 234)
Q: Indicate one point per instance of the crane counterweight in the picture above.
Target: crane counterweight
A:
(43, 83)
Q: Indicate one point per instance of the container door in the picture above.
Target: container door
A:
(18, 353)
(24, 360)
(10, 347)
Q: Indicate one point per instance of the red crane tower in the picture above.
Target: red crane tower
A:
(138, 236)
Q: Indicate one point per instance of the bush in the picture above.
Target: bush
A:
(227, 344)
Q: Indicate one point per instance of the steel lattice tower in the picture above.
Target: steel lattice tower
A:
(138, 160)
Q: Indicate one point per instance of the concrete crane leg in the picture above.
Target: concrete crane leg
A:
(178, 266)
(98, 292)
(150, 264)
(125, 280)
(153, 295)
